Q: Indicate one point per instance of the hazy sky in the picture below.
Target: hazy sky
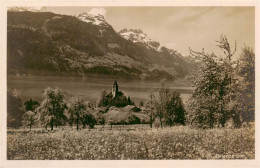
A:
(180, 27)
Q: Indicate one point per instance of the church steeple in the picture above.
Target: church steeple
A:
(115, 89)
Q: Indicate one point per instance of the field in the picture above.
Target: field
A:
(168, 143)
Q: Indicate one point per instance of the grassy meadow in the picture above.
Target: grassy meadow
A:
(180, 142)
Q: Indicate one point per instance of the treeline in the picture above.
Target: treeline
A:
(55, 111)
(52, 111)
(77, 111)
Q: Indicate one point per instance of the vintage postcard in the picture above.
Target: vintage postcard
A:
(129, 84)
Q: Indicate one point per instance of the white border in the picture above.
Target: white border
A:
(127, 163)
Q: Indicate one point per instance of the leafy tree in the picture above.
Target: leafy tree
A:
(77, 108)
(14, 109)
(51, 110)
(89, 120)
(100, 119)
(167, 106)
(175, 112)
(214, 99)
(160, 101)
(246, 71)
(31, 105)
(29, 119)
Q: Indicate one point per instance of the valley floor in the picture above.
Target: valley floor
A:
(169, 143)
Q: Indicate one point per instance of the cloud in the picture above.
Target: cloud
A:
(97, 11)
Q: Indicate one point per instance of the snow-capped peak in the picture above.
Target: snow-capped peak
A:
(94, 19)
(27, 8)
(138, 36)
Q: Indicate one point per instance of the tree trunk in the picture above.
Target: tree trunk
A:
(222, 112)
(223, 119)
(211, 120)
(151, 121)
(161, 122)
(53, 106)
(31, 122)
(51, 124)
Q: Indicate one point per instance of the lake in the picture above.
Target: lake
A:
(90, 87)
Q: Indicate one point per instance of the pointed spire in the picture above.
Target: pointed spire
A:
(115, 89)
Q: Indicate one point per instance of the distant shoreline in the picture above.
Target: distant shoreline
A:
(20, 73)
(32, 86)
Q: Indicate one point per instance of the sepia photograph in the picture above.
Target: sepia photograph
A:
(130, 83)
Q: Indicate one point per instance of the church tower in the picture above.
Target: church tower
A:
(115, 89)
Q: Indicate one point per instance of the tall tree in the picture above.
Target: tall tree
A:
(31, 105)
(89, 119)
(51, 110)
(29, 119)
(175, 112)
(77, 108)
(160, 101)
(102, 101)
(166, 105)
(246, 71)
(212, 102)
(14, 109)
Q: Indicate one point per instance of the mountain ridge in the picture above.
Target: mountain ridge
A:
(85, 44)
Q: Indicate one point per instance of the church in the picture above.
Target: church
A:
(115, 98)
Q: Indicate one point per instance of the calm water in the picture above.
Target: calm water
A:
(91, 87)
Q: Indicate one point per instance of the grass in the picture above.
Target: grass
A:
(170, 143)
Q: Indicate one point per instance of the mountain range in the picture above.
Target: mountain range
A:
(86, 44)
